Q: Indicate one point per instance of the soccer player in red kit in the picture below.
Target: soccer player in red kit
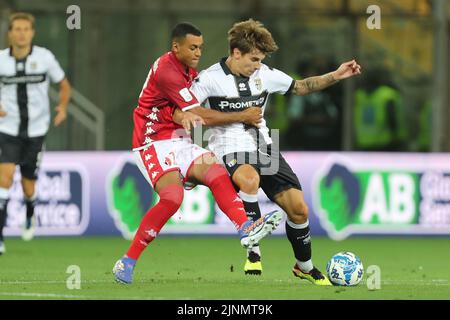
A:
(167, 157)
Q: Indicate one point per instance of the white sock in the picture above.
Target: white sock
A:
(4, 195)
(305, 266)
(248, 197)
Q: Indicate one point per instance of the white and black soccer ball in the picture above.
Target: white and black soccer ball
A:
(345, 269)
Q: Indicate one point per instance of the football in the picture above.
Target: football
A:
(345, 269)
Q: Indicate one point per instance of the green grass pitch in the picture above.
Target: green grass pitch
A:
(211, 268)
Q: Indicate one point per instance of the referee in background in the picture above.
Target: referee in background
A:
(25, 73)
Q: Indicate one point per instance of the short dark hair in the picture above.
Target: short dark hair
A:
(181, 30)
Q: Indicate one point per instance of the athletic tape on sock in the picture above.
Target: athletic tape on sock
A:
(297, 226)
(248, 197)
(4, 193)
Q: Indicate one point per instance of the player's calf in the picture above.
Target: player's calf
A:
(171, 198)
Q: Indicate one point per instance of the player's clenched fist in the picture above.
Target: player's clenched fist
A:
(252, 116)
(347, 70)
(190, 120)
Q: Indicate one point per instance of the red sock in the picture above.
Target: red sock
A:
(170, 199)
(218, 180)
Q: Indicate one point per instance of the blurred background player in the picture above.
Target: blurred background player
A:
(239, 81)
(167, 157)
(25, 73)
(379, 115)
(311, 122)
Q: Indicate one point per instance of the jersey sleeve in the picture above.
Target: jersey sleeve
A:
(200, 87)
(176, 89)
(278, 82)
(54, 71)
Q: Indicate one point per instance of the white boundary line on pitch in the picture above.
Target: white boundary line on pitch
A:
(67, 296)
(39, 295)
(428, 282)
(53, 282)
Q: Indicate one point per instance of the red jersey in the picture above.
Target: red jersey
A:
(166, 88)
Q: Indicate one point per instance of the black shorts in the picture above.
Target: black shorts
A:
(25, 152)
(273, 178)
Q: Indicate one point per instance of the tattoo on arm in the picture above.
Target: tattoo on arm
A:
(313, 84)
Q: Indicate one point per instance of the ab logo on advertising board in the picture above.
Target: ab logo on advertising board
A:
(353, 198)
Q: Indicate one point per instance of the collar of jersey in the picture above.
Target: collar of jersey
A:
(228, 71)
(29, 53)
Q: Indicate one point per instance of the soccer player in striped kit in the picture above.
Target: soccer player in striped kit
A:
(240, 82)
(25, 73)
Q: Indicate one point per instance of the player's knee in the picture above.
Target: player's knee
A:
(29, 190)
(209, 160)
(299, 213)
(249, 184)
(29, 193)
(6, 181)
(172, 197)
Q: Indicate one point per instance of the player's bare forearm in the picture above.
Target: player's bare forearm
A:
(187, 119)
(177, 116)
(64, 98)
(64, 93)
(217, 118)
(251, 116)
(314, 84)
(346, 70)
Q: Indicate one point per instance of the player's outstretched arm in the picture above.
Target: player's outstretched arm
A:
(313, 84)
(251, 116)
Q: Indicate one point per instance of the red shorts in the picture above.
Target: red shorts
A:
(164, 156)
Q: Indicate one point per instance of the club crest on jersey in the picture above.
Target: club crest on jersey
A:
(33, 65)
(258, 83)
